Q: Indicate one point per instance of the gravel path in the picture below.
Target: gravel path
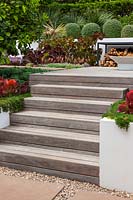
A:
(70, 188)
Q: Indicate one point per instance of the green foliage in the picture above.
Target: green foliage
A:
(67, 50)
(122, 120)
(19, 74)
(117, 7)
(14, 103)
(72, 30)
(89, 29)
(74, 18)
(112, 28)
(19, 20)
(63, 65)
(127, 19)
(127, 31)
(97, 16)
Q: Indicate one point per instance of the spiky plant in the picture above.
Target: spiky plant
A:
(53, 31)
(74, 18)
(97, 16)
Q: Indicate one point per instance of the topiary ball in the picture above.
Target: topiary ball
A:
(72, 30)
(112, 28)
(89, 29)
(127, 31)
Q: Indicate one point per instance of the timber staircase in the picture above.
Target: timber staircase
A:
(58, 131)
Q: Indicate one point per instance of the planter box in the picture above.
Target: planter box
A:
(125, 63)
(4, 119)
(116, 156)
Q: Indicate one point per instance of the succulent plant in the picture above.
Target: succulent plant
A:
(112, 28)
(89, 29)
(127, 31)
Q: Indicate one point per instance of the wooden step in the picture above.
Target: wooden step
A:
(78, 91)
(76, 79)
(64, 105)
(66, 162)
(52, 119)
(54, 138)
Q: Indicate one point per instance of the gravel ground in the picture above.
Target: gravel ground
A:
(70, 187)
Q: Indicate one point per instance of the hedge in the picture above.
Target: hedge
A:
(13, 103)
(118, 7)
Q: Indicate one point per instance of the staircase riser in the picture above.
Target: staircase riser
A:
(25, 139)
(71, 107)
(76, 97)
(69, 124)
(59, 165)
(112, 85)
(56, 128)
(77, 92)
(64, 79)
(72, 176)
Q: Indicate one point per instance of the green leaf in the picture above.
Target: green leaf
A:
(24, 8)
(15, 17)
(1, 38)
(8, 34)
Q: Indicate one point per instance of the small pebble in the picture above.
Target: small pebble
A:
(70, 187)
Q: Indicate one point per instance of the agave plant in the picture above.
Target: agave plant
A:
(53, 31)
(54, 16)
(74, 18)
(97, 16)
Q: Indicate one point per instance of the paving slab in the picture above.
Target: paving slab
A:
(94, 196)
(12, 188)
(93, 72)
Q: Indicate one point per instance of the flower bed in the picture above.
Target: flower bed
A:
(121, 111)
(10, 105)
(116, 146)
(116, 160)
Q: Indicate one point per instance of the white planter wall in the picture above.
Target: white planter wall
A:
(4, 119)
(116, 156)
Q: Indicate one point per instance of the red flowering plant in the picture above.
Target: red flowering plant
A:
(127, 106)
(121, 111)
(8, 87)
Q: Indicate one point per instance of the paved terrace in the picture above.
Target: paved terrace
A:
(94, 71)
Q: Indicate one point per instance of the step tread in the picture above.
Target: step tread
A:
(50, 154)
(55, 115)
(52, 133)
(76, 101)
(78, 87)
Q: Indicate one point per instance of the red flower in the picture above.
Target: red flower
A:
(123, 107)
(129, 98)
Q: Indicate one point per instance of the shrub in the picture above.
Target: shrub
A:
(122, 111)
(118, 7)
(14, 103)
(62, 50)
(127, 31)
(112, 28)
(127, 19)
(89, 29)
(72, 30)
(19, 20)
(19, 74)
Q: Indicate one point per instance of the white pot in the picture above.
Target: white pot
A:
(4, 119)
(116, 156)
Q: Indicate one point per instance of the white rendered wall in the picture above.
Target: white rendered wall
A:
(4, 119)
(116, 156)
